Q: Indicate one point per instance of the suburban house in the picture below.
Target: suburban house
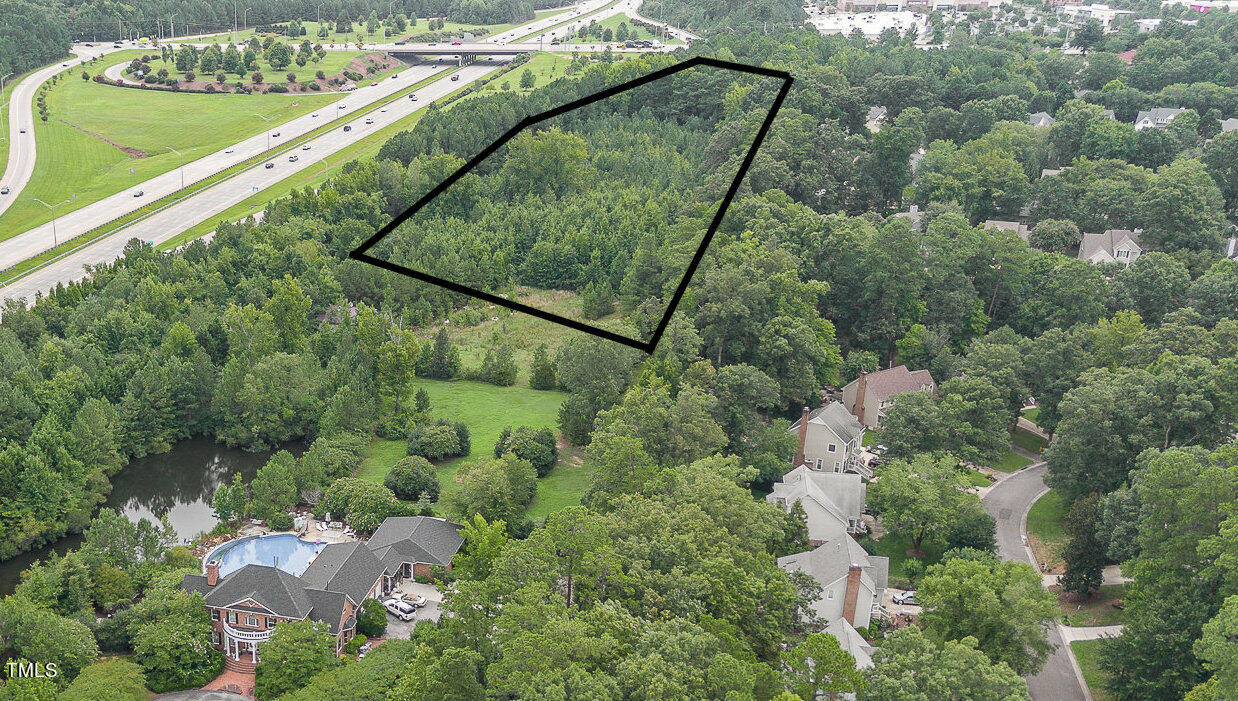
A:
(832, 501)
(1041, 120)
(247, 603)
(853, 584)
(1156, 118)
(869, 395)
(876, 117)
(1113, 246)
(913, 215)
(829, 439)
(1017, 228)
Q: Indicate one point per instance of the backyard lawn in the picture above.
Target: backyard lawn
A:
(1028, 440)
(1044, 529)
(487, 409)
(1096, 611)
(895, 546)
(97, 134)
(1009, 462)
(1087, 652)
(1031, 414)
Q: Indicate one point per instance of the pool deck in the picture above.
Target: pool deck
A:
(311, 534)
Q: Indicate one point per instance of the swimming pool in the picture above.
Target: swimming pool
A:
(285, 551)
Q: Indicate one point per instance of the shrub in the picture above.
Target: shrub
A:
(372, 619)
(536, 446)
(411, 478)
(363, 504)
(352, 646)
(114, 679)
(280, 521)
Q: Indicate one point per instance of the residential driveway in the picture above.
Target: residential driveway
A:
(430, 612)
(1008, 502)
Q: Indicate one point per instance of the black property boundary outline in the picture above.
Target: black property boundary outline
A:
(647, 346)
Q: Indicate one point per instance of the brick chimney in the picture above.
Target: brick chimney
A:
(852, 595)
(212, 573)
(860, 388)
(799, 453)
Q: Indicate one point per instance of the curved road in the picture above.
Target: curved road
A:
(1008, 502)
(21, 116)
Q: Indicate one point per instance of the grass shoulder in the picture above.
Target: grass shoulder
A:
(1045, 531)
(1087, 653)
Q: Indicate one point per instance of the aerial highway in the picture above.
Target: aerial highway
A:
(201, 206)
(21, 144)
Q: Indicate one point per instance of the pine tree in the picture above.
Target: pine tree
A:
(542, 372)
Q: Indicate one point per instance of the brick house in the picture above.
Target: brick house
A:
(247, 603)
(869, 395)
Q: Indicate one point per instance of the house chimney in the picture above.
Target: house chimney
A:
(860, 388)
(799, 453)
(212, 573)
(852, 595)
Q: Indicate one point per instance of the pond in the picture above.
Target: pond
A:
(179, 483)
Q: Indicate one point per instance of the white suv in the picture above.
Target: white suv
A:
(400, 609)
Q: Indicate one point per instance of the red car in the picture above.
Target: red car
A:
(455, 43)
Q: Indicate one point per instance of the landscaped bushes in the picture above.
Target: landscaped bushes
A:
(412, 478)
(439, 440)
(536, 446)
(362, 503)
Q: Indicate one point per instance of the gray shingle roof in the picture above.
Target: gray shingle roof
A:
(884, 384)
(1107, 241)
(418, 539)
(1041, 119)
(272, 588)
(835, 417)
(1158, 116)
(348, 568)
(328, 607)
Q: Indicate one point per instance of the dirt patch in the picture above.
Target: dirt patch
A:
(1046, 554)
(129, 150)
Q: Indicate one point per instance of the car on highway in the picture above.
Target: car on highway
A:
(374, 83)
(269, 165)
(294, 158)
(275, 135)
(433, 44)
(347, 127)
(4, 190)
(64, 65)
(455, 43)
(455, 77)
(22, 131)
(400, 609)
(87, 44)
(229, 150)
(305, 147)
(139, 193)
(342, 107)
(369, 121)
(904, 597)
(412, 96)
(314, 115)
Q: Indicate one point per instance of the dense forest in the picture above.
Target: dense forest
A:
(30, 35)
(672, 588)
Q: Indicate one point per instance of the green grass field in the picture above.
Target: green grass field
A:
(977, 478)
(1045, 531)
(871, 437)
(80, 155)
(1087, 653)
(1031, 414)
(634, 31)
(895, 546)
(1028, 441)
(333, 63)
(359, 33)
(487, 409)
(1009, 462)
(1096, 611)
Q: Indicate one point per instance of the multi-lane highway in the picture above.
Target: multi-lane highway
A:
(187, 212)
(21, 144)
(202, 206)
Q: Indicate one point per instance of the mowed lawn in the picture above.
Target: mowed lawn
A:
(895, 547)
(76, 162)
(1099, 610)
(487, 409)
(1045, 531)
(1087, 653)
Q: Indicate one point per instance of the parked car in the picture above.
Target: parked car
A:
(400, 609)
(904, 597)
(417, 600)
(139, 193)
(269, 165)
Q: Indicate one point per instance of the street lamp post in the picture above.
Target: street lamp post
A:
(52, 207)
(182, 168)
(268, 129)
(3, 102)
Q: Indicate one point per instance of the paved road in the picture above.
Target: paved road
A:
(210, 202)
(21, 146)
(1008, 502)
(78, 222)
